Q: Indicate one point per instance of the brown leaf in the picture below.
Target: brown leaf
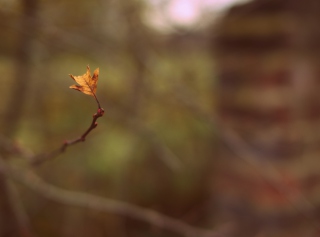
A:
(87, 84)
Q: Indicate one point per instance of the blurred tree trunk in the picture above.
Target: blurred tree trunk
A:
(23, 67)
(10, 222)
(137, 45)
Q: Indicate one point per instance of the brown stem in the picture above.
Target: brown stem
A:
(39, 159)
(96, 98)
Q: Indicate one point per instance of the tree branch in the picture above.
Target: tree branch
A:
(39, 159)
(240, 148)
(10, 147)
(72, 198)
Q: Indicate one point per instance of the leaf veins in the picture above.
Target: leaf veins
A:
(87, 84)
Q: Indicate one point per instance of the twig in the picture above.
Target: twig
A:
(96, 98)
(72, 198)
(39, 159)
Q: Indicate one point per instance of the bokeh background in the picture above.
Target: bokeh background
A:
(211, 112)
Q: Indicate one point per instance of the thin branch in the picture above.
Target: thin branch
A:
(167, 156)
(39, 159)
(72, 198)
(96, 98)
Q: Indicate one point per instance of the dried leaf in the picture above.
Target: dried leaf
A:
(87, 84)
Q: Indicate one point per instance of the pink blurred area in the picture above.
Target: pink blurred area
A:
(186, 13)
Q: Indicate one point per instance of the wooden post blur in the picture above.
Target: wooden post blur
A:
(267, 54)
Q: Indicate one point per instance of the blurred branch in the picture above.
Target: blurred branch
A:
(162, 150)
(8, 146)
(36, 160)
(18, 210)
(34, 182)
(167, 156)
(240, 148)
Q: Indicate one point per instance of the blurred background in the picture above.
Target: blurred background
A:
(211, 112)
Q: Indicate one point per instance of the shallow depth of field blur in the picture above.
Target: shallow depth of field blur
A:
(155, 147)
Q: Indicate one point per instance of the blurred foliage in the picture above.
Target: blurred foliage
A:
(148, 149)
